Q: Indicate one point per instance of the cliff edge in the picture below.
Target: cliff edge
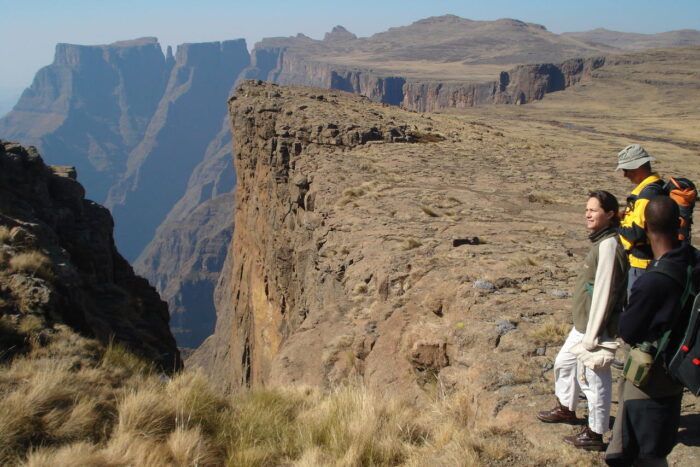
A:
(60, 266)
(346, 258)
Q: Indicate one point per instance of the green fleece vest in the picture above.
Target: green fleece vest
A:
(585, 283)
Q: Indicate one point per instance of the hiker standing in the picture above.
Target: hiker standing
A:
(635, 164)
(583, 363)
(648, 417)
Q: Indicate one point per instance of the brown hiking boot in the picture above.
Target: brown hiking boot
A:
(586, 439)
(558, 414)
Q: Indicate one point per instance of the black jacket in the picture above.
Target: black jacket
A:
(654, 300)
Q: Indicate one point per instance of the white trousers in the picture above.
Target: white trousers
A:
(569, 378)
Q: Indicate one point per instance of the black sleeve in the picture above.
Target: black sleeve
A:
(633, 234)
(653, 302)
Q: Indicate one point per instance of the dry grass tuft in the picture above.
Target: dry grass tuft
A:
(360, 288)
(145, 413)
(78, 454)
(550, 334)
(525, 261)
(34, 263)
(118, 355)
(412, 243)
(541, 198)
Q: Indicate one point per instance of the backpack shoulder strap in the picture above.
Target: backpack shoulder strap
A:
(675, 271)
(653, 189)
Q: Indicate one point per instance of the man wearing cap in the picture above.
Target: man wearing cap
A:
(635, 164)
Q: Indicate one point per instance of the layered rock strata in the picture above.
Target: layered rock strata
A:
(59, 264)
(519, 85)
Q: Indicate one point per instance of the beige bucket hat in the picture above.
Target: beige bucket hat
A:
(632, 157)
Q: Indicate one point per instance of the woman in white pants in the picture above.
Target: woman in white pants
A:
(583, 363)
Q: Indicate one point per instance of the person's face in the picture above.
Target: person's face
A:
(633, 175)
(596, 217)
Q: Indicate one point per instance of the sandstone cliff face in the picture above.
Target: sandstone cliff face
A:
(528, 83)
(60, 265)
(342, 263)
(91, 107)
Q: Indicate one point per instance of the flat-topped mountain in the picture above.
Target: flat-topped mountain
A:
(636, 41)
(441, 48)
(91, 107)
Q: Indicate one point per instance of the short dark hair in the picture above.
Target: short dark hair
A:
(608, 203)
(646, 166)
(662, 216)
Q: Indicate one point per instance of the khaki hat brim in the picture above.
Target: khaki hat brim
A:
(635, 164)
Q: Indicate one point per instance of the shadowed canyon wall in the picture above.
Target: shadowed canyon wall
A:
(128, 117)
(188, 118)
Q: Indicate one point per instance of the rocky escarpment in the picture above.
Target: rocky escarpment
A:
(520, 85)
(421, 254)
(59, 265)
(343, 261)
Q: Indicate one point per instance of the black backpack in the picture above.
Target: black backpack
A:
(683, 362)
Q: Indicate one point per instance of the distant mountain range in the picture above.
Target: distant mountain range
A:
(635, 41)
(150, 138)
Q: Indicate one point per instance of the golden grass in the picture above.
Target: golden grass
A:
(550, 334)
(74, 403)
(524, 261)
(118, 355)
(541, 198)
(32, 262)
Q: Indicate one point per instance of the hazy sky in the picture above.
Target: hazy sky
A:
(30, 29)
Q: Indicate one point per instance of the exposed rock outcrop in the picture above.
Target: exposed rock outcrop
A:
(60, 265)
(339, 33)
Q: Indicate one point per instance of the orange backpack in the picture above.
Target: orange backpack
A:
(684, 193)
